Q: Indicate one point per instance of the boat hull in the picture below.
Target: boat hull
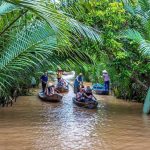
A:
(100, 89)
(101, 92)
(89, 105)
(62, 90)
(52, 98)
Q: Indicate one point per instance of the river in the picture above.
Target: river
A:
(32, 124)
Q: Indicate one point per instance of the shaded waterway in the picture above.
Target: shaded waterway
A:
(35, 125)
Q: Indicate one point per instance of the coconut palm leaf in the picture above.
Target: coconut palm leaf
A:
(26, 50)
(26, 39)
(132, 35)
(145, 47)
(141, 9)
(37, 44)
(145, 5)
(57, 20)
(7, 8)
(130, 9)
(142, 36)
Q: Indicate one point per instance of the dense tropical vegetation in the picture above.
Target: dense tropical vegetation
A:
(106, 34)
(124, 52)
(34, 34)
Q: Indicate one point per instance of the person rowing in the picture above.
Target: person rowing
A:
(44, 79)
(78, 82)
(88, 94)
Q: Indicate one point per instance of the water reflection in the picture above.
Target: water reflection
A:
(69, 127)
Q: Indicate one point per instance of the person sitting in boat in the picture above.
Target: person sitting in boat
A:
(88, 94)
(62, 83)
(50, 89)
(83, 88)
(59, 84)
(65, 84)
(79, 95)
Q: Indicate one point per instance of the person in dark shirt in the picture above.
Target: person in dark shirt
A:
(78, 81)
(44, 79)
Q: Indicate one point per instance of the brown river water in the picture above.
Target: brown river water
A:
(32, 124)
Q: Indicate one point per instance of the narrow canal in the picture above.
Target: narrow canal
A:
(35, 125)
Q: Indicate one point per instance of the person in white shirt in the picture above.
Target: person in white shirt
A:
(106, 80)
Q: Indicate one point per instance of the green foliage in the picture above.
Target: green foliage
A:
(35, 36)
(112, 35)
(125, 60)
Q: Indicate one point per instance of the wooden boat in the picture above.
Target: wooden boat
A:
(90, 104)
(52, 98)
(99, 89)
(62, 89)
(101, 92)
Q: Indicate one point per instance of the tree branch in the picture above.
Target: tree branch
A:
(136, 79)
(140, 83)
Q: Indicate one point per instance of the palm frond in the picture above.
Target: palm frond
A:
(37, 44)
(7, 8)
(141, 9)
(84, 30)
(57, 20)
(132, 35)
(145, 5)
(26, 50)
(26, 39)
(128, 7)
(145, 47)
